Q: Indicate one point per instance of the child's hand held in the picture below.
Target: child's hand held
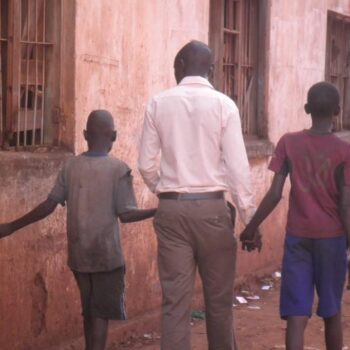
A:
(251, 240)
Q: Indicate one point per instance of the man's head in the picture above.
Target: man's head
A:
(322, 101)
(100, 132)
(194, 59)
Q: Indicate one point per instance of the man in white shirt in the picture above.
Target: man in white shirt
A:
(198, 132)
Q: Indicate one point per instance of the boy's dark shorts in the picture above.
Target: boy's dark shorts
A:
(309, 265)
(102, 294)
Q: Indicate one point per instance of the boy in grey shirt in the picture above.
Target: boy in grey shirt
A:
(98, 190)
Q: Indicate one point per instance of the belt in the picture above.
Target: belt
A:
(191, 196)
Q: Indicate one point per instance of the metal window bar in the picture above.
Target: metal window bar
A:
(19, 80)
(231, 38)
(4, 23)
(43, 76)
(36, 72)
(1, 80)
(33, 86)
(338, 63)
(12, 62)
(346, 97)
(26, 89)
(23, 84)
(26, 42)
(249, 65)
(1, 94)
(240, 58)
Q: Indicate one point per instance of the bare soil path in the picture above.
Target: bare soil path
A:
(257, 323)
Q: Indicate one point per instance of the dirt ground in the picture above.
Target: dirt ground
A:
(257, 324)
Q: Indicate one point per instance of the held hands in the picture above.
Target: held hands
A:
(5, 230)
(251, 240)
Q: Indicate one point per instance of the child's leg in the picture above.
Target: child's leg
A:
(297, 289)
(99, 333)
(88, 333)
(102, 296)
(348, 287)
(330, 275)
(295, 332)
(333, 332)
(95, 331)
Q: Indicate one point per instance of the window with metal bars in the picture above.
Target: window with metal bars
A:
(236, 37)
(338, 63)
(29, 72)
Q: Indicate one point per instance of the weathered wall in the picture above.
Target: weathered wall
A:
(124, 54)
(37, 295)
(115, 55)
(120, 72)
(296, 59)
(120, 53)
(39, 302)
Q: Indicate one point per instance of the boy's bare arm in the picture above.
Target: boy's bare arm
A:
(270, 201)
(345, 210)
(134, 215)
(40, 212)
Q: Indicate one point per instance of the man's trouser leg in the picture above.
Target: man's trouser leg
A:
(177, 268)
(216, 258)
(190, 232)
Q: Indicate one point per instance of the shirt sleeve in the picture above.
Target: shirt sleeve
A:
(125, 197)
(237, 164)
(149, 150)
(58, 193)
(279, 160)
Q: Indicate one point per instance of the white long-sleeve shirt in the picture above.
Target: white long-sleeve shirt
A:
(197, 131)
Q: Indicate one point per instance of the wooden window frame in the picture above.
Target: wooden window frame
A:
(337, 70)
(30, 95)
(256, 125)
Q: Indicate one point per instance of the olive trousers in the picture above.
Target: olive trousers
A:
(195, 234)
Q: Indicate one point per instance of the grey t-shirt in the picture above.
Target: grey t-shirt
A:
(96, 190)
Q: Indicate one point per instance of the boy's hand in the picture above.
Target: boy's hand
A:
(247, 234)
(5, 230)
(251, 240)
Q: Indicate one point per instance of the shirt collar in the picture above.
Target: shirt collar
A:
(189, 80)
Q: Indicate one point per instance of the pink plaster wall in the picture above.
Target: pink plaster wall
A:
(38, 297)
(121, 53)
(133, 59)
(120, 71)
(297, 59)
(124, 54)
(115, 55)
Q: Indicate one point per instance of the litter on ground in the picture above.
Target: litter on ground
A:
(241, 300)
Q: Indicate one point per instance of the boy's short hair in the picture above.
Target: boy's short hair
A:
(323, 100)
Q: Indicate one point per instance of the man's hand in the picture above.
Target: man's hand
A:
(251, 240)
(5, 230)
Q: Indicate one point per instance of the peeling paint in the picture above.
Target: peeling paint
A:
(118, 62)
